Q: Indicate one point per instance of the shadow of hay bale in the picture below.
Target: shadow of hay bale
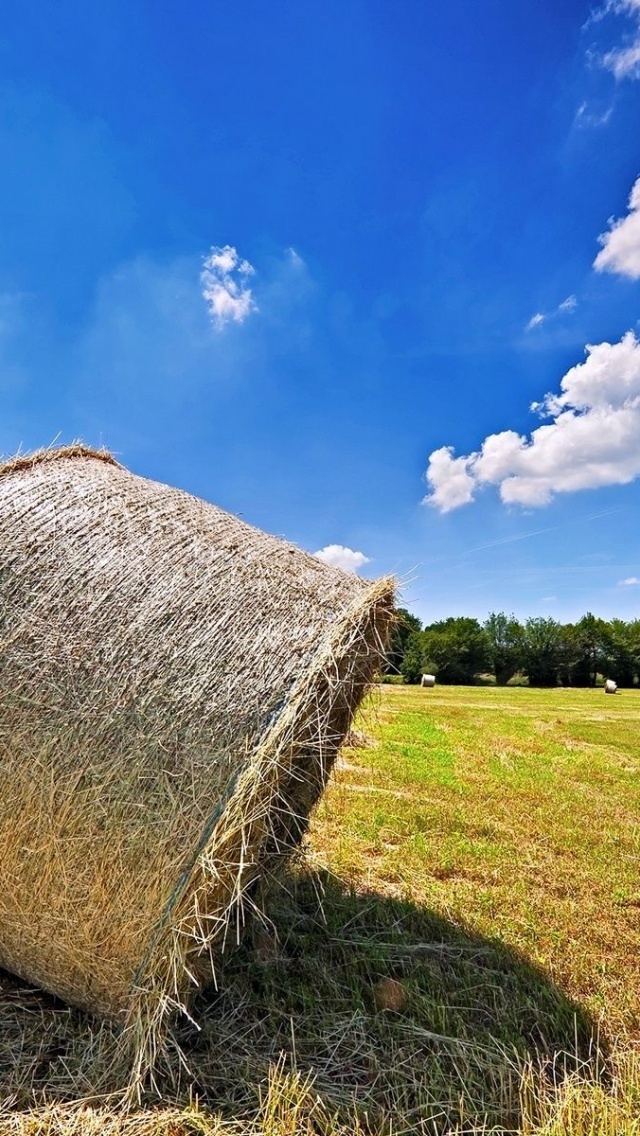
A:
(392, 1010)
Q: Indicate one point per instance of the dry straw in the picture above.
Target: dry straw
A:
(174, 687)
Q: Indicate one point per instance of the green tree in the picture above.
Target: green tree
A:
(404, 627)
(505, 638)
(456, 648)
(411, 667)
(587, 646)
(543, 651)
(623, 654)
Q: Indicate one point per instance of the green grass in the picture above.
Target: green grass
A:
(515, 813)
(457, 951)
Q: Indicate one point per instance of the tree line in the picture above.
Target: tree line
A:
(542, 650)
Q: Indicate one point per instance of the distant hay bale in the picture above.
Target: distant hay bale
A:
(174, 688)
(428, 680)
(610, 687)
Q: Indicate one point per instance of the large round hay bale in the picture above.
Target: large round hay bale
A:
(174, 686)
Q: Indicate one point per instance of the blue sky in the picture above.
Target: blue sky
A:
(294, 259)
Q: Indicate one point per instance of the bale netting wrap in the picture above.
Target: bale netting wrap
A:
(174, 687)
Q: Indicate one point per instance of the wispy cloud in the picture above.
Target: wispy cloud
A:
(535, 321)
(224, 286)
(620, 252)
(340, 557)
(593, 439)
(623, 60)
(588, 118)
(629, 582)
(567, 306)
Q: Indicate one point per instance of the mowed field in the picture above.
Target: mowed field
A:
(457, 950)
(512, 812)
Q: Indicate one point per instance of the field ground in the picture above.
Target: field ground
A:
(457, 951)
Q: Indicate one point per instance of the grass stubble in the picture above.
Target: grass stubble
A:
(457, 951)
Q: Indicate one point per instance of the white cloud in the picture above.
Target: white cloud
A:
(592, 440)
(452, 485)
(622, 61)
(620, 250)
(535, 321)
(629, 7)
(224, 286)
(630, 582)
(568, 305)
(616, 7)
(340, 557)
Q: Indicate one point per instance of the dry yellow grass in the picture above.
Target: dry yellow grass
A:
(448, 863)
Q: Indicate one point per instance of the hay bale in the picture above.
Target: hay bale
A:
(428, 680)
(174, 688)
(610, 687)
